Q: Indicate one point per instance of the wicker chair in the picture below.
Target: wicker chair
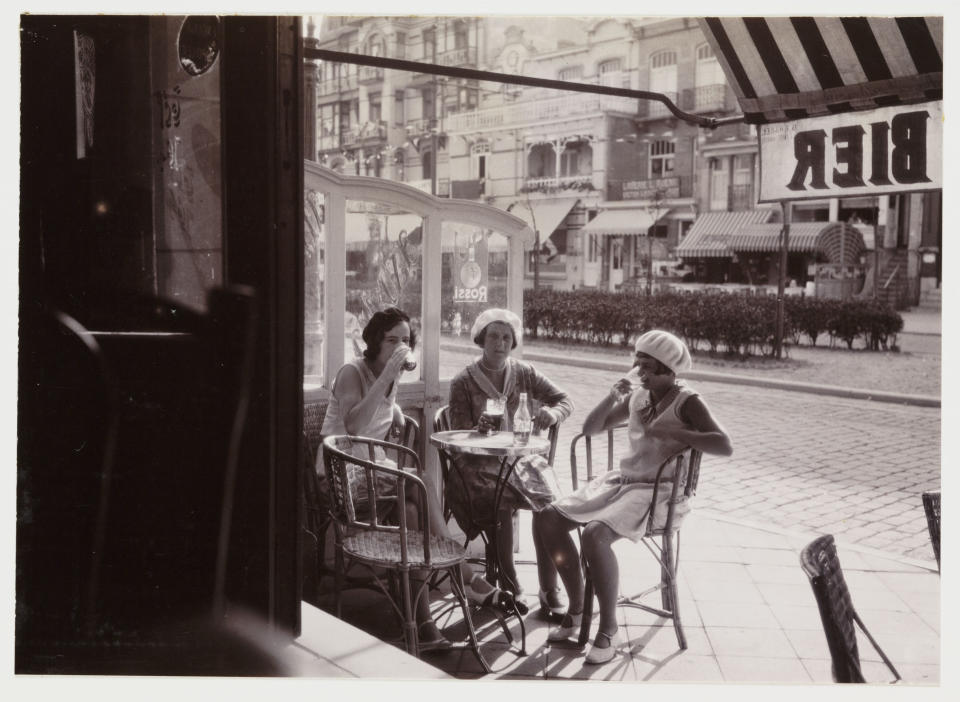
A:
(661, 539)
(397, 549)
(316, 496)
(931, 507)
(822, 566)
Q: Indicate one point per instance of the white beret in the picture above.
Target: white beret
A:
(666, 348)
(497, 314)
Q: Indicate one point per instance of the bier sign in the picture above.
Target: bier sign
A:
(872, 152)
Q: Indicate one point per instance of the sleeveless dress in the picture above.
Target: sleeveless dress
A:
(376, 428)
(621, 498)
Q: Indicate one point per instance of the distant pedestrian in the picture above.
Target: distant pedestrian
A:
(665, 418)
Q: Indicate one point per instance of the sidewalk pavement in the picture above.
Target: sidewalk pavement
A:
(922, 320)
(748, 611)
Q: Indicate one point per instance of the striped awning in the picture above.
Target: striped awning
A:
(785, 68)
(628, 221)
(839, 242)
(710, 232)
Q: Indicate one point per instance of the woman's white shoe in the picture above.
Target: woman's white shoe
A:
(552, 603)
(569, 626)
(603, 655)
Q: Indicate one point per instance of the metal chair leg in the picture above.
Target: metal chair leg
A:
(409, 618)
(459, 591)
(670, 592)
(338, 581)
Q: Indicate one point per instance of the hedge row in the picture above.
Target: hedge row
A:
(736, 323)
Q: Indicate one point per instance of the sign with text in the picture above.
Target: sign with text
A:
(648, 189)
(470, 270)
(873, 152)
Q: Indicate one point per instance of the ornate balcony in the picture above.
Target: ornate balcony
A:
(338, 85)
(705, 98)
(370, 74)
(533, 111)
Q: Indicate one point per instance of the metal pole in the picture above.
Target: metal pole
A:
(536, 259)
(876, 248)
(787, 210)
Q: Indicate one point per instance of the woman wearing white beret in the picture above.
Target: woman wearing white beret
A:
(665, 417)
(470, 488)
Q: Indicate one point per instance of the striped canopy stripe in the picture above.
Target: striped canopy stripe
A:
(785, 68)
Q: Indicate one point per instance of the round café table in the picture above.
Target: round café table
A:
(500, 445)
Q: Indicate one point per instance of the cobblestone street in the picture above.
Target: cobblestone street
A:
(802, 462)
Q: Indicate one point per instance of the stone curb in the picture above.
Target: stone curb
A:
(711, 376)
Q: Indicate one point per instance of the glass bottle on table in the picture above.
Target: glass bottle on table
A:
(522, 422)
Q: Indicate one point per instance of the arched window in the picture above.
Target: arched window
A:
(709, 80)
(570, 73)
(610, 72)
(542, 162)
(576, 159)
(663, 79)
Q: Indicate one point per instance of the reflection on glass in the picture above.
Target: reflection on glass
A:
(384, 268)
(198, 45)
(314, 246)
(474, 278)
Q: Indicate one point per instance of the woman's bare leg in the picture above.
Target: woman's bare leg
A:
(598, 540)
(554, 533)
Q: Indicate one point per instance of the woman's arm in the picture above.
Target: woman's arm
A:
(609, 412)
(556, 405)
(461, 404)
(357, 408)
(707, 435)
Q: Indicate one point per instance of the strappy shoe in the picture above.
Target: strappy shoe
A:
(568, 627)
(492, 596)
(551, 603)
(598, 655)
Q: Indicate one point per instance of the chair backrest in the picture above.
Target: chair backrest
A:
(344, 468)
(821, 564)
(931, 507)
(591, 468)
(316, 500)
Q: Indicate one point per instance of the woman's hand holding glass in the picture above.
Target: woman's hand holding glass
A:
(624, 387)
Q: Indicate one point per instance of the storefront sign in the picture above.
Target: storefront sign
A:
(874, 152)
(470, 284)
(651, 189)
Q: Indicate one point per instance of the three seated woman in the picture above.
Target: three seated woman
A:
(665, 417)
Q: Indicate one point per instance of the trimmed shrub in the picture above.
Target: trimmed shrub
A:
(735, 323)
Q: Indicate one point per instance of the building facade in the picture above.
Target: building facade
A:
(612, 185)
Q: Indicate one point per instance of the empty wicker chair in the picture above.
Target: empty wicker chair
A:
(398, 549)
(931, 507)
(662, 533)
(822, 566)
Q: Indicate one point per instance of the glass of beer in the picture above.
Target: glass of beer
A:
(493, 413)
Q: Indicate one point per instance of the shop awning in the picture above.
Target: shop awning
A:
(785, 68)
(548, 214)
(805, 237)
(625, 221)
(710, 232)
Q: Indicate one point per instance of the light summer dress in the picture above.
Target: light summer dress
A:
(376, 428)
(620, 498)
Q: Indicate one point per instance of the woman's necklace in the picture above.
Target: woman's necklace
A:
(486, 367)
